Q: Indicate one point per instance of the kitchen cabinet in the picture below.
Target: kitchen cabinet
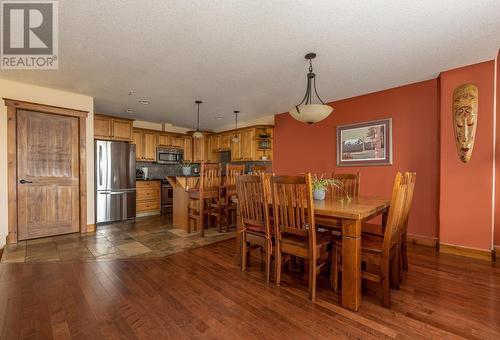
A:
(199, 150)
(188, 149)
(225, 141)
(110, 128)
(146, 142)
(236, 148)
(177, 141)
(163, 139)
(244, 149)
(148, 197)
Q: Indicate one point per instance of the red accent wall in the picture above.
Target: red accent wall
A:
(497, 176)
(415, 123)
(466, 188)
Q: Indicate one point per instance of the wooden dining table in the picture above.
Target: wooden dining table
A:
(350, 216)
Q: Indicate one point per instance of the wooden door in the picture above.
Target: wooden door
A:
(138, 140)
(247, 144)
(102, 128)
(188, 149)
(149, 146)
(48, 201)
(122, 130)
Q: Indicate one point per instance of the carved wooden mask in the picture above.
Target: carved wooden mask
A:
(465, 103)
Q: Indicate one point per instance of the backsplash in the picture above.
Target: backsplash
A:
(159, 171)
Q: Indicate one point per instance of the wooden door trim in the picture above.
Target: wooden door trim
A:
(12, 107)
(18, 104)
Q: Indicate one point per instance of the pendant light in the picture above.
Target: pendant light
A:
(306, 111)
(235, 138)
(197, 133)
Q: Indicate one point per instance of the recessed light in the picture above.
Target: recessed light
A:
(144, 102)
(129, 111)
(131, 92)
(219, 117)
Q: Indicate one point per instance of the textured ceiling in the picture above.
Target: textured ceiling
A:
(248, 55)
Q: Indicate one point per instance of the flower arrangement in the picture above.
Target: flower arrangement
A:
(186, 167)
(320, 186)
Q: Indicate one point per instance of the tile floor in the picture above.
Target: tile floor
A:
(146, 237)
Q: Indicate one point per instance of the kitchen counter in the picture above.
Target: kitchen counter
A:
(148, 179)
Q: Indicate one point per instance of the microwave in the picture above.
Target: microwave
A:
(169, 155)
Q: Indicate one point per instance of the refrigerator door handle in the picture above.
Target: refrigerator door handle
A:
(100, 164)
(112, 193)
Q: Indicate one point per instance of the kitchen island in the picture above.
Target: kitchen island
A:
(181, 185)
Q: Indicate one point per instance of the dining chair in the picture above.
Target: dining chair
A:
(203, 197)
(381, 253)
(257, 169)
(378, 230)
(227, 207)
(350, 185)
(253, 206)
(295, 228)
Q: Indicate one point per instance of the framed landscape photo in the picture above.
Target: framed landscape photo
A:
(364, 144)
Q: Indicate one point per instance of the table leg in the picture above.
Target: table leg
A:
(351, 264)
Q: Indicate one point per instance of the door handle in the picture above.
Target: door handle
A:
(25, 181)
(113, 193)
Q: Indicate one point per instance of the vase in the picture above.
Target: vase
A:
(319, 194)
(186, 170)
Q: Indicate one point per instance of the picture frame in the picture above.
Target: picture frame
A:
(365, 144)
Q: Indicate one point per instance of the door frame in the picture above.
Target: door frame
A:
(12, 107)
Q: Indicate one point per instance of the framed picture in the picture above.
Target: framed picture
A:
(364, 144)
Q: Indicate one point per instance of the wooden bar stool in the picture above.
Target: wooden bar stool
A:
(227, 206)
(202, 198)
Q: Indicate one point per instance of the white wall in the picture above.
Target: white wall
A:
(41, 95)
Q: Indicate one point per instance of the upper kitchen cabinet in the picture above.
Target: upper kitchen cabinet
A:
(225, 141)
(199, 154)
(177, 141)
(244, 149)
(146, 142)
(112, 128)
(163, 139)
(188, 149)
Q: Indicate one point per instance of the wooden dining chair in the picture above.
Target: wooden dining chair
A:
(381, 253)
(253, 205)
(203, 197)
(227, 207)
(295, 228)
(257, 169)
(350, 185)
(378, 230)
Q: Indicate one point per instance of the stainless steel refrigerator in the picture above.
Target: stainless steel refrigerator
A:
(115, 181)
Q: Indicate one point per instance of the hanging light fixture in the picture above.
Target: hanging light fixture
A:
(306, 111)
(197, 133)
(235, 138)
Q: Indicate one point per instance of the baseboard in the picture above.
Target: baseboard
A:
(481, 254)
(90, 228)
(421, 240)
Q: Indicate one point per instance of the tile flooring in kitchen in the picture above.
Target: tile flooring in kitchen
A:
(146, 237)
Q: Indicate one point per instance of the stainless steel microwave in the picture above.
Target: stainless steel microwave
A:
(169, 155)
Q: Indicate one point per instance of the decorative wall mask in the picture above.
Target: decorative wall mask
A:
(465, 103)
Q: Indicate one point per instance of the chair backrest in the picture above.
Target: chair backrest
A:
(396, 212)
(267, 184)
(232, 171)
(257, 169)
(293, 207)
(210, 176)
(253, 203)
(350, 185)
(408, 202)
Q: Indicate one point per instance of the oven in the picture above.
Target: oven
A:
(169, 155)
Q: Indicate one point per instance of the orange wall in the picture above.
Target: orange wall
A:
(466, 189)
(497, 176)
(415, 119)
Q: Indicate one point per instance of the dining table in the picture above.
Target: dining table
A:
(347, 217)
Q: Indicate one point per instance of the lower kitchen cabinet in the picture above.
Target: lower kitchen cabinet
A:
(148, 197)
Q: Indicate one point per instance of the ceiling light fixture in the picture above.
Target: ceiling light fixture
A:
(144, 102)
(129, 111)
(306, 111)
(219, 117)
(236, 139)
(197, 133)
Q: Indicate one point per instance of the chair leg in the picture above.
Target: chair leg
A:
(268, 263)
(243, 252)
(394, 267)
(384, 287)
(404, 253)
(334, 275)
(201, 217)
(278, 264)
(312, 279)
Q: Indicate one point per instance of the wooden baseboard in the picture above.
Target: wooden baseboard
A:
(90, 228)
(422, 240)
(481, 254)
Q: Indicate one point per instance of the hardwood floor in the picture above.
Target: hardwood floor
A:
(201, 293)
